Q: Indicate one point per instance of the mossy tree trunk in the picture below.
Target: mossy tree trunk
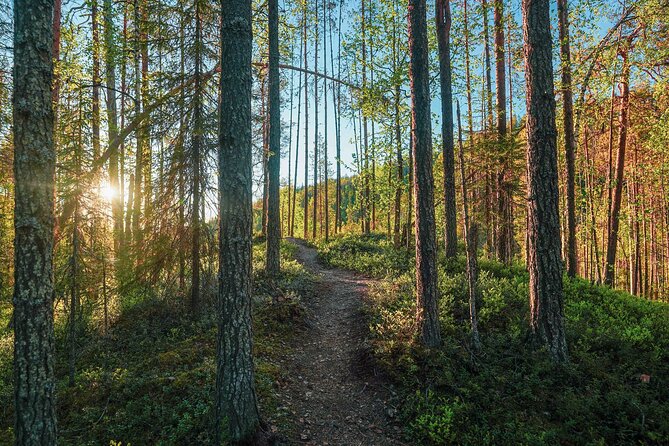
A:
(34, 174)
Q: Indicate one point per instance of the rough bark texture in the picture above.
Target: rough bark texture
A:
(34, 173)
(614, 222)
(236, 406)
(273, 163)
(568, 129)
(427, 316)
(443, 17)
(544, 262)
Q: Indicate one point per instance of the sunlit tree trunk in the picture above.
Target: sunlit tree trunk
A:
(112, 123)
(614, 222)
(273, 165)
(443, 18)
(427, 316)
(569, 139)
(34, 223)
(544, 265)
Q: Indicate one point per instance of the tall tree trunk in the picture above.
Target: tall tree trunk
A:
(427, 316)
(95, 103)
(316, 185)
(443, 17)
(569, 139)
(365, 136)
(34, 222)
(504, 216)
(74, 299)
(196, 165)
(326, 204)
(112, 123)
(545, 266)
(297, 150)
(273, 257)
(236, 402)
(139, 150)
(471, 242)
(487, 100)
(306, 127)
(145, 130)
(614, 221)
(337, 91)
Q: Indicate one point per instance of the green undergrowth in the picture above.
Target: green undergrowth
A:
(150, 380)
(511, 393)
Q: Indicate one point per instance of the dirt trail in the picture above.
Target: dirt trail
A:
(334, 397)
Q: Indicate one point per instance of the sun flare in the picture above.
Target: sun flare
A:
(107, 192)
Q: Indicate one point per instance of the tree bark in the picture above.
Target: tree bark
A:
(427, 316)
(504, 214)
(34, 175)
(569, 139)
(236, 402)
(544, 262)
(273, 257)
(443, 18)
(614, 221)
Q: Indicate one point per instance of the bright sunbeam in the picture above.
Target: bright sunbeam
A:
(107, 192)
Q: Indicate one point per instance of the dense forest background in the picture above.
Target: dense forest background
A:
(137, 255)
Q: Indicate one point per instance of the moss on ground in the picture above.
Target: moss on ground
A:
(150, 381)
(511, 393)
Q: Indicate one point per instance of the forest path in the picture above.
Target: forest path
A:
(335, 399)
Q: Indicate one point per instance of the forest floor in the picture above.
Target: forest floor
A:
(334, 393)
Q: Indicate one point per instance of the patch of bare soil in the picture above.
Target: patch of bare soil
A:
(333, 393)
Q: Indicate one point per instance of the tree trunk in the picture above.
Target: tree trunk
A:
(34, 175)
(614, 221)
(365, 136)
(196, 165)
(471, 242)
(443, 18)
(427, 316)
(504, 215)
(236, 403)
(139, 152)
(544, 262)
(568, 129)
(487, 100)
(306, 128)
(273, 257)
(112, 123)
(326, 204)
(316, 185)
